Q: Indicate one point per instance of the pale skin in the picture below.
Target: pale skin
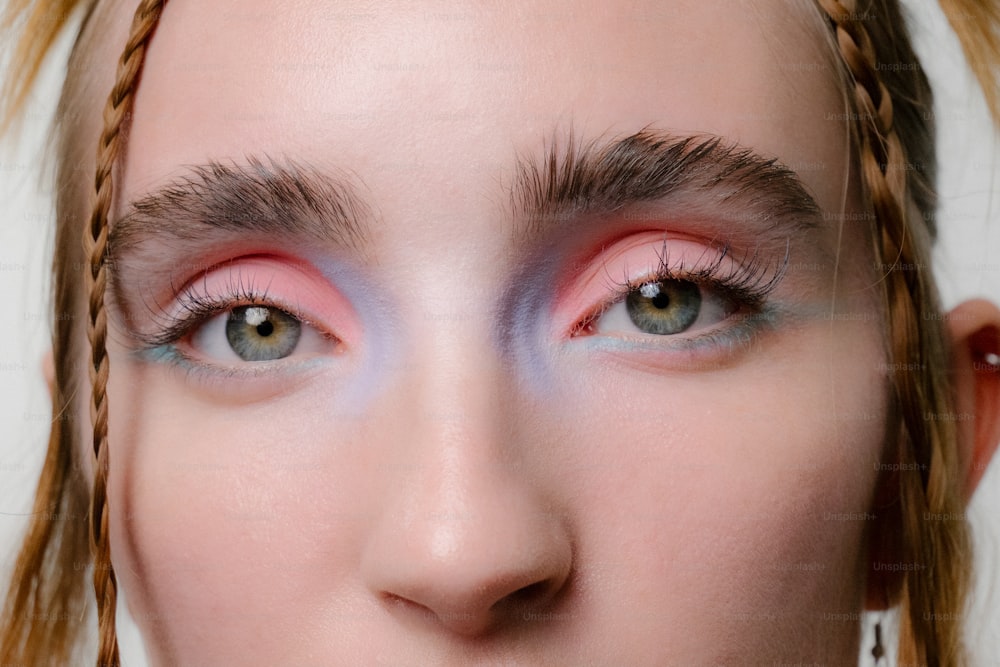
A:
(423, 490)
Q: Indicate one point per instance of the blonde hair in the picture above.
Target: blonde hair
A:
(894, 150)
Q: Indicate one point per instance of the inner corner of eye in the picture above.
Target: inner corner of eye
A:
(586, 325)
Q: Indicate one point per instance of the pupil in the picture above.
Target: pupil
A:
(661, 300)
(262, 333)
(664, 307)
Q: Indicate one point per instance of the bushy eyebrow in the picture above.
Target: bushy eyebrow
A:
(696, 175)
(262, 197)
(700, 176)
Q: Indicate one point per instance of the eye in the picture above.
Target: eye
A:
(256, 333)
(663, 307)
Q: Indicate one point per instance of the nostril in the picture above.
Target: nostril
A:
(406, 603)
(530, 592)
(523, 599)
(470, 577)
(524, 603)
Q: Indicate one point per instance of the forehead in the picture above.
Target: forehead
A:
(438, 97)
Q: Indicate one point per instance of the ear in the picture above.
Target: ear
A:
(974, 333)
(974, 327)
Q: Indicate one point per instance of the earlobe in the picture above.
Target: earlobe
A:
(974, 334)
(974, 328)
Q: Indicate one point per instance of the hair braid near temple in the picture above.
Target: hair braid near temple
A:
(116, 113)
(909, 294)
(893, 141)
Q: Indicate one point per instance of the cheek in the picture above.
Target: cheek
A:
(232, 524)
(734, 500)
(719, 503)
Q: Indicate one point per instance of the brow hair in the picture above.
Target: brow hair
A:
(700, 171)
(571, 187)
(263, 196)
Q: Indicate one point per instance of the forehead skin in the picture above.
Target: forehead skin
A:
(375, 88)
(427, 104)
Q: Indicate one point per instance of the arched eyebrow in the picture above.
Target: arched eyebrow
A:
(699, 176)
(263, 196)
(691, 177)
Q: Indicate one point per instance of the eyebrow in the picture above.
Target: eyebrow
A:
(695, 176)
(264, 197)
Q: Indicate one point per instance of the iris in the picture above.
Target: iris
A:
(664, 307)
(258, 333)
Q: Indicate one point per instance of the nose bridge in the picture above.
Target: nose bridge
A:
(457, 373)
(455, 380)
(463, 532)
(458, 433)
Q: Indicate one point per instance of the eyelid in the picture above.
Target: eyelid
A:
(289, 285)
(602, 282)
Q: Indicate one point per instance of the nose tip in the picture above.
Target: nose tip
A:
(477, 610)
(471, 575)
(467, 536)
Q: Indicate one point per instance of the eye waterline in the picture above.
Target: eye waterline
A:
(740, 334)
(524, 306)
(346, 277)
(168, 354)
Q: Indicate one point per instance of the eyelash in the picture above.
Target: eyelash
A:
(746, 282)
(199, 309)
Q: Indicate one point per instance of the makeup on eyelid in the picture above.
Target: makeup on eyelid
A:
(727, 285)
(575, 481)
(274, 281)
(744, 280)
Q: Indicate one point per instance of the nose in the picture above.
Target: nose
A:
(465, 539)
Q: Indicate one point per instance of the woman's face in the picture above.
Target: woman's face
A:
(378, 394)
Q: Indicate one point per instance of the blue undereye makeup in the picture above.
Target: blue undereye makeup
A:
(713, 308)
(717, 306)
(168, 353)
(264, 332)
(259, 330)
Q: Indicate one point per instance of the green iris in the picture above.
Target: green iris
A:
(256, 333)
(665, 307)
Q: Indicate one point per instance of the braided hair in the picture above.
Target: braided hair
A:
(899, 194)
(893, 142)
(116, 113)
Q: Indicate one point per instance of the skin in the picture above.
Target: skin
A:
(466, 502)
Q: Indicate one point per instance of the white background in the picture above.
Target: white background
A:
(968, 264)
